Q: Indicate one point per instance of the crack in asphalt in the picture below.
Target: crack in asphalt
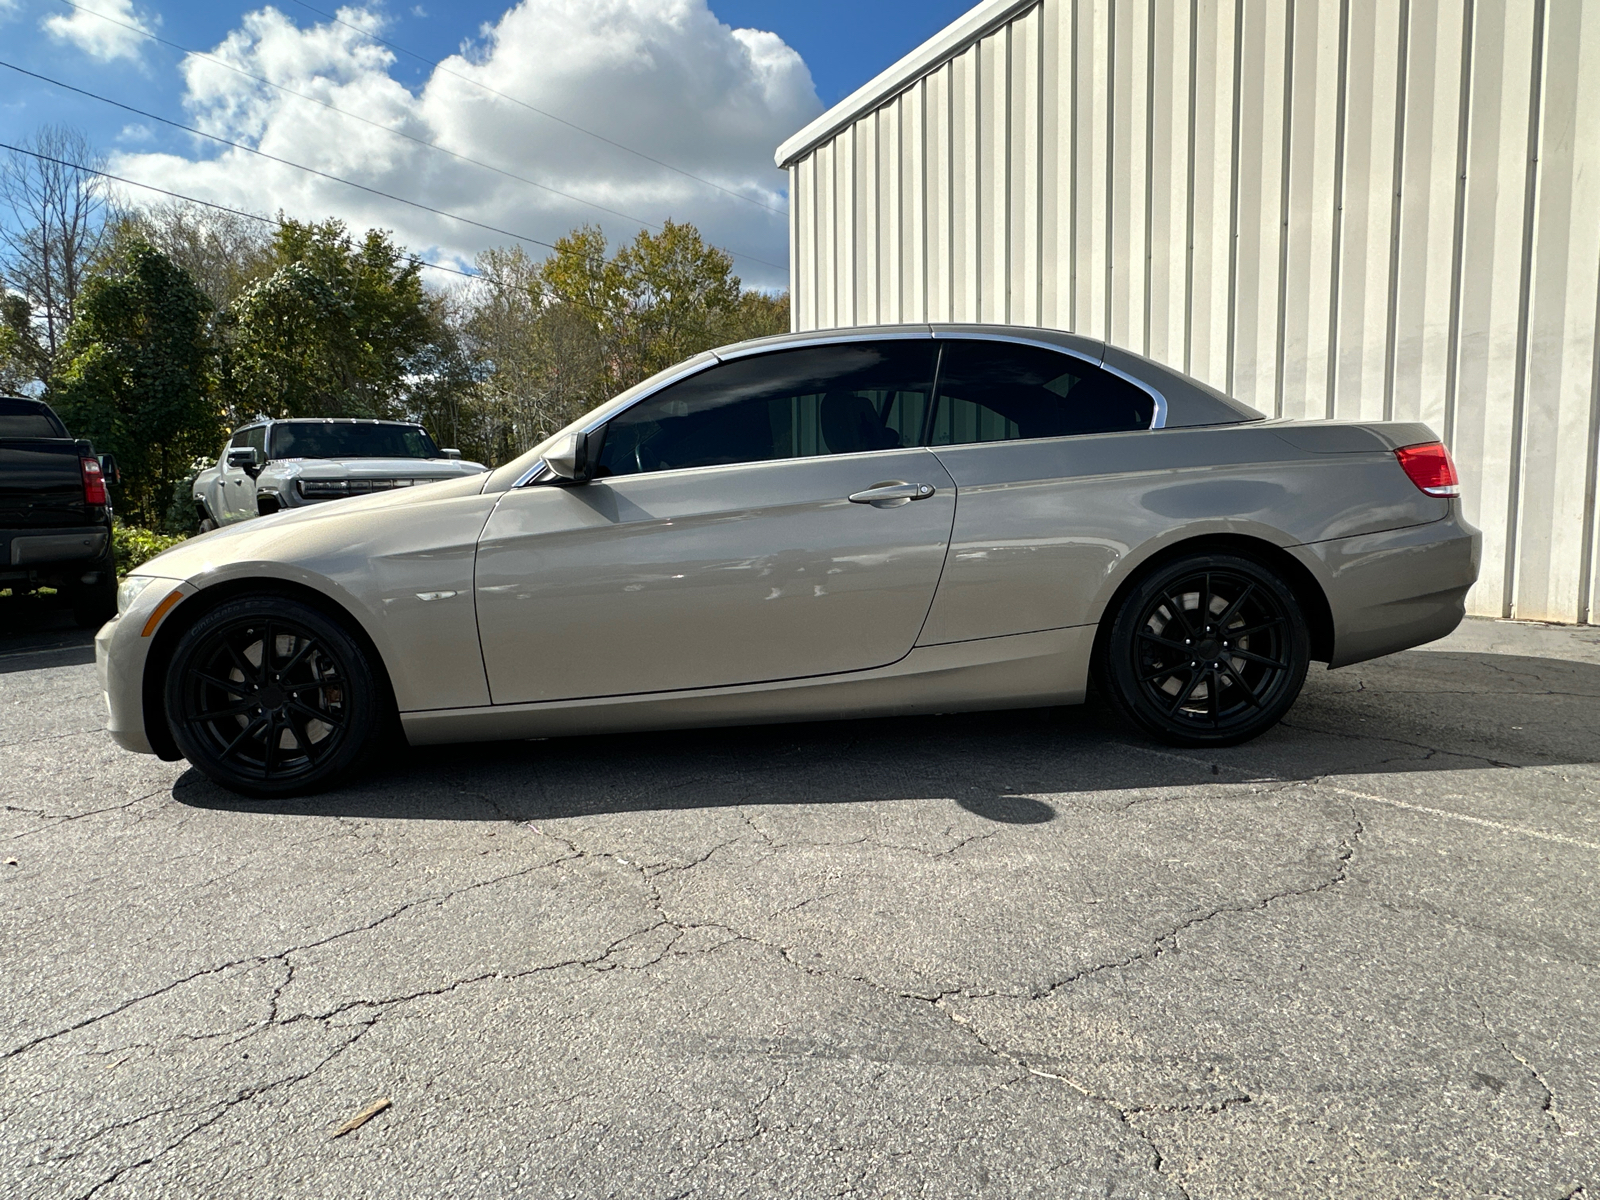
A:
(1548, 1103)
(263, 959)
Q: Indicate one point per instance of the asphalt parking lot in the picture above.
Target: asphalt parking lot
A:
(1013, 954)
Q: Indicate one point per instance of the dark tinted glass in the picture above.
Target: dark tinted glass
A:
(319, 439)
(787, 404)
(999, 391)
(28, 419)
(28, 425)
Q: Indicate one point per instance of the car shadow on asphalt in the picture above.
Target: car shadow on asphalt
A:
(1417, 711)
(38, 632)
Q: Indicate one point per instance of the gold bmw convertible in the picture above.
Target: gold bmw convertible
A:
(859, 522)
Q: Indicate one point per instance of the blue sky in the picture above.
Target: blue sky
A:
(660, 76)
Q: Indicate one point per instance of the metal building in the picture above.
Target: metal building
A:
(1341, 208)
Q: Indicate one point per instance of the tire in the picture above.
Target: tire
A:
(259, 672)
(207, 524)
(1213, 672)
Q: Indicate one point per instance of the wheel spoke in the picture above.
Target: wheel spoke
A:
(274, 736)
(306, 646)
(1249, 691)
(302, 738)
(1248, 656)
(244, 733)
(294, 689)
(1177, 611)
(216, 714)
(240, 662)
(1161, 673)
(1273, 623)
(315, 714)
(1184, 692)
(1161, 641)
(269, 648)
(1233, 609)
(1214, 700)
(227, 685)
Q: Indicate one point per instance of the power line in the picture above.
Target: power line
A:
(387, 128)
(238, 212)
(150, 116)
(439, 66)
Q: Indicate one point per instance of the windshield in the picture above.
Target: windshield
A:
(324, 439)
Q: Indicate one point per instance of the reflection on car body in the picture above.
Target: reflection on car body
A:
(869, 521)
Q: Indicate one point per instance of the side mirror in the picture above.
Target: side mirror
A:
(450, 452)
(108, 468)
(246, 459)
(573, 458)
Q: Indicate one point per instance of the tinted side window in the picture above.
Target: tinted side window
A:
(257, 437)
(998, 391)
(787, 404)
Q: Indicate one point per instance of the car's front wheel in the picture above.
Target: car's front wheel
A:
(270, 697)
(1210, 650)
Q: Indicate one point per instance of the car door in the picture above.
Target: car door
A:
(1040, 444)
(731, 535)
(237, 488)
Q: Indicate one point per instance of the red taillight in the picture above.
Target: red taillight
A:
(94, 483)
(1429, 467)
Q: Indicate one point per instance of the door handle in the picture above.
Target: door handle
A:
(892, 494)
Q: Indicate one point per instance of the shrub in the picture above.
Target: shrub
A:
(135, 545)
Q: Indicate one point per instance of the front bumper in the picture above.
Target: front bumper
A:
(121, 652)
(1394, 590)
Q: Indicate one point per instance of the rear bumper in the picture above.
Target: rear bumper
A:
(1394, 590)
(34, 547)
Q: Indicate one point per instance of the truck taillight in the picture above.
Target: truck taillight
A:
(1429, 467)
(94, 483)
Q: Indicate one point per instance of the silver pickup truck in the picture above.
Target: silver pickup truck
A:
(275, 465)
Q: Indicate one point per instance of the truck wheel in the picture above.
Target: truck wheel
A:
(207, 524)
(270, 697)
(1208, 651)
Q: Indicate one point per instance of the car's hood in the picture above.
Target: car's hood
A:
(282, 537)
(379, 468)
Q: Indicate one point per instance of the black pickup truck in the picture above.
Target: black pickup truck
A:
(55, 516)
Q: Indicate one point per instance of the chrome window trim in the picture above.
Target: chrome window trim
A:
(834, 337)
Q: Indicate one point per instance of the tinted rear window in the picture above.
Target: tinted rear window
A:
(1000, 391)
(28, 419)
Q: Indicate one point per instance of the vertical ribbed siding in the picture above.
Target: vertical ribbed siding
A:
(1355, 208)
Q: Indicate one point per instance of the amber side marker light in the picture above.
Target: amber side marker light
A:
(1428, 466)
(162, 610)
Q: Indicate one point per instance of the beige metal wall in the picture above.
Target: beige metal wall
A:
(1341, 208)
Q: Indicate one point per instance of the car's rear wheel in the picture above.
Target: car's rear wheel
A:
(1210, 650)
(95, 603)
(270, 697)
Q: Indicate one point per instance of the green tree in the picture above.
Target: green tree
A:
(135, 375)
(557, 337)
(332, 331)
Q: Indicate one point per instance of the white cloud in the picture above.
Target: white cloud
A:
(97, 37)
(662, 76)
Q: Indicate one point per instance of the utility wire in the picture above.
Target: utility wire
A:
(592, 309)
(238, 212)
(150, 116)
(439, 66)
(386, 128)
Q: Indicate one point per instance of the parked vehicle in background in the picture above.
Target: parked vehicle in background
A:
(55, 516)
(274, 465)
(902, 520)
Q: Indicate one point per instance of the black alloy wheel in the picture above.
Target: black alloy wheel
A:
(1208, 651)
(269, 697)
